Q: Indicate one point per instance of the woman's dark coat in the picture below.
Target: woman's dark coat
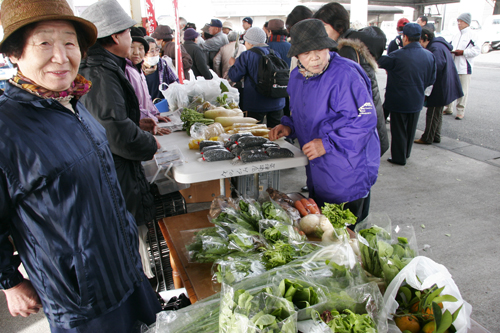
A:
(112, 101)
(447, 86)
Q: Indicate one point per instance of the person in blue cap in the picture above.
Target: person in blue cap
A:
(213, 45)
(411, 72)
(247, 23)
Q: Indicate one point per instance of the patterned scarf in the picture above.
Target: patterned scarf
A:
(277, 38)
(79, 87)
(307, 74)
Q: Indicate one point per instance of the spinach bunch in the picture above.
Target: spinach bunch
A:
(208, 245)
(273, 211)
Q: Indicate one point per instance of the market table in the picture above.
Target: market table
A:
(194, 170)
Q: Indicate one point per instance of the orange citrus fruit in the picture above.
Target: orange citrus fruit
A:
(429, 327)
(409, 323)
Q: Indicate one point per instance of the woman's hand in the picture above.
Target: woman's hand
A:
(279, 131)
(231, 61)
(22, 299)
(163, 119)
(314, 149)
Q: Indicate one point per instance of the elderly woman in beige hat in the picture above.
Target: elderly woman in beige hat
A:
(60, 200)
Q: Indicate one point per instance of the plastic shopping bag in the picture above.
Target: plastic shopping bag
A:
(422, 273)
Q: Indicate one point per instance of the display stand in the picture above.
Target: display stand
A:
(166, 205)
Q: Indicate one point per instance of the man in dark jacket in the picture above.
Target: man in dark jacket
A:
(112, 101)
(446, 89)
(247, 66)
(410, 71)
(200, 63)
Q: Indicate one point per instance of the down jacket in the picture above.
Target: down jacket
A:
(337, 108)
(61, 202)
(112, 101)
(357, 51)
(447, 86)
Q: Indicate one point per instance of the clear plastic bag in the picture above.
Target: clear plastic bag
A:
(365, 300)
(274, 230)
(176, 95)
(255, 310)
(203, 316)
(385, 249)
(422, 273)
(237, 267)
(206, 245)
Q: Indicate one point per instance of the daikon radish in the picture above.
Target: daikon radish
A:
(228, 121)
(212, 114)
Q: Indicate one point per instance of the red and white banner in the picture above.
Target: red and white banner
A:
(178, 52)
(151, 16)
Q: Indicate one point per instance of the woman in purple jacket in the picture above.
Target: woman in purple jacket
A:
(333, 118)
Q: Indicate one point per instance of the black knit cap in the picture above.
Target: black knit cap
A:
(309, 35)
(138, 36)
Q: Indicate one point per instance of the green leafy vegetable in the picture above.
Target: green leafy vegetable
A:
(338, 216)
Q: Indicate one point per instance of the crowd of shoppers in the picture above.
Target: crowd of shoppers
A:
(74, 196)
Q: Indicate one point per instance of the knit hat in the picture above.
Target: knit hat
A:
(227, 24)
(309, 35)
(248, 20)
(162, 32)
(138, 36)
(275, 24)
(109, 17)
(412, 30)
(216, 23)
(19, 13)
(190, 34)
(402, 22)
(466, 17)
(255, 35)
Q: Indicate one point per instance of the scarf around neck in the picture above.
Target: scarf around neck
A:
(79, 87)
(307, 74)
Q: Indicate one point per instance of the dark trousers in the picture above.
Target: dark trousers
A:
(360, 208)
(403, 127)
(273, 118)
(433, 122)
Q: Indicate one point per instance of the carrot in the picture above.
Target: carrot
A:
(316, 209)
(300, 207)
(307, 205)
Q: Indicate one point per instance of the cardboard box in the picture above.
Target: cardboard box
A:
(204, 191)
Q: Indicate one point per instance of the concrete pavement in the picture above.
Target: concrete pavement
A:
(451, 188)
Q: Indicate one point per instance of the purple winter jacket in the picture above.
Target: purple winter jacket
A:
(336, 107)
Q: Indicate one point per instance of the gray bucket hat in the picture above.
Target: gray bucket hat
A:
(309, 35)
(109, 17)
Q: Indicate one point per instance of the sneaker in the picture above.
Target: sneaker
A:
(447, 112)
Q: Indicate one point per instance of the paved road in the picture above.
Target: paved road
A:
(481, 125)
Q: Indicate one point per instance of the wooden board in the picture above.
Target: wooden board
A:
(196, 277)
